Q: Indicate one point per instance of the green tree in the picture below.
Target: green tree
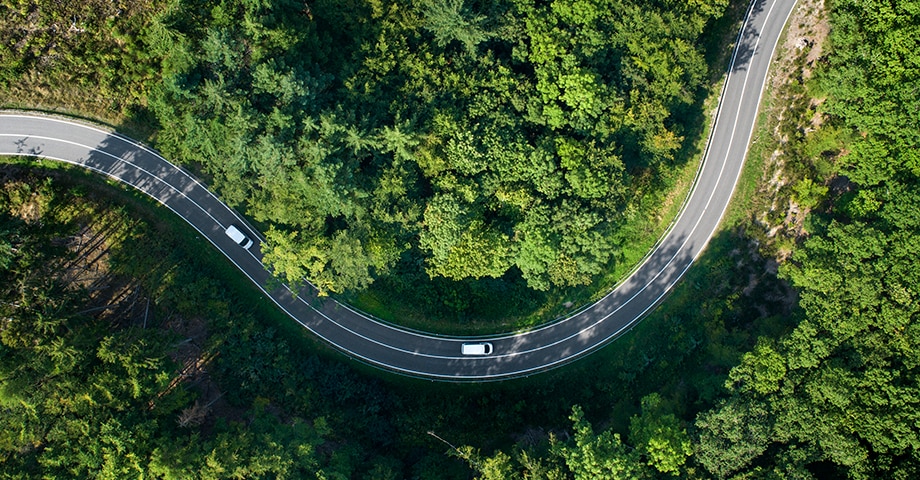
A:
(659, 436)
(594, 456)
(456, 236)
(761, 370)
(732, 434)
(448, 20)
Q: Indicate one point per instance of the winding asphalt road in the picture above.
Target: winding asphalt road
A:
(432, 356)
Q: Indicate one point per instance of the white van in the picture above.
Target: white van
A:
(239, 237)
(482, 348)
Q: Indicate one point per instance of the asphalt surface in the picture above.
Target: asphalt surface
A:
(426, 355)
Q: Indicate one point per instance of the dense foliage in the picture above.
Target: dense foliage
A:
(838, 396)
(475, 139)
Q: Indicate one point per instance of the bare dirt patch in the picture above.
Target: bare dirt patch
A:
(806, 34)
(798, 53)
(194, 360)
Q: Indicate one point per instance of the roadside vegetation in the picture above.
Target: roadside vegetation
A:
(790, 350)
(89, 58)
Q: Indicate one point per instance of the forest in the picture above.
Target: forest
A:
(371, 138)
(477, 140)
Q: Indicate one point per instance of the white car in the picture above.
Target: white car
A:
(239, 237)
(482, 348)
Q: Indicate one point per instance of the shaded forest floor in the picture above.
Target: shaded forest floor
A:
(101, 237)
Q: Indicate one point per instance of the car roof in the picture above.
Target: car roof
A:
(235, 234)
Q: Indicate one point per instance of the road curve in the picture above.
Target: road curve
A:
(427, 355)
